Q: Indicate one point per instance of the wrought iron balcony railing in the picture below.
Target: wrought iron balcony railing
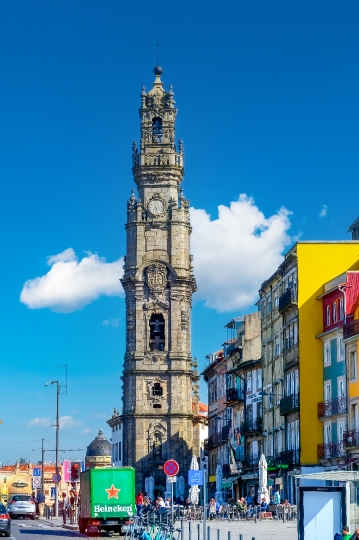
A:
(253, 426)
(351, 329)
(332, 407)
(289, 457)
(251, 460)
(331, 450)
(287, 299)
(351, 438)
(289, 404)
(233, 395)
(215, 439)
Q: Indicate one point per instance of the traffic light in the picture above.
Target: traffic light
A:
(75, 471)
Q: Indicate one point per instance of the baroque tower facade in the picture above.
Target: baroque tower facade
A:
(160, 390)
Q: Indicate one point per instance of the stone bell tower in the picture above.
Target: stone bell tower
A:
(160, 388)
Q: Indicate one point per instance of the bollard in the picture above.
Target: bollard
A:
(241, 537)
(190, 530)
(229, 535)
(181, 528)
(218, 534)
(255, 516)
(198, 532)
(283, 515)
(208, 533)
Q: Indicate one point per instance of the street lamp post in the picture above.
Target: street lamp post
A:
(57, 441)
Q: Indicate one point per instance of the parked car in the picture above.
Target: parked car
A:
(5, 521)
(21, 505)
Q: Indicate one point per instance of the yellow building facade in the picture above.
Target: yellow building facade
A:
(318, 263)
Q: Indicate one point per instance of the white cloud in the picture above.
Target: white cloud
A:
(71, 284)
(236, 252)
(68, 422)
(324, 211)
(65, 256)
(233, 255)
(86, 431)
(43, 422)
(115, 323)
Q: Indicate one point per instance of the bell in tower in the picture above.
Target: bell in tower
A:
(159, 283)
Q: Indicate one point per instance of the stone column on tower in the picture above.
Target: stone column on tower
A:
(159, 283)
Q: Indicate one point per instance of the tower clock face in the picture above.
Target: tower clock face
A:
(156, 207)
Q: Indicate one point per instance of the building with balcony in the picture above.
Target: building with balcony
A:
(332, 409)
(234, 378)
(292, 357)
(351, 344)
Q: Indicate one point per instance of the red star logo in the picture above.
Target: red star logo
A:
(112, 492)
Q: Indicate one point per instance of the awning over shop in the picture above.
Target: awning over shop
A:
(229, 481)
(249, 476)
(333, 476)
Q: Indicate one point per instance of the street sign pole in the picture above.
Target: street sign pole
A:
(42, 466)
(204, 504)
(172, 501)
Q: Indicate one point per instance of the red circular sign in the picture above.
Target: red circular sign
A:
(171, 467)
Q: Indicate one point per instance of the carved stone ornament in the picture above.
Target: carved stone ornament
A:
(156, 357)
(156, 277)
(184, 320)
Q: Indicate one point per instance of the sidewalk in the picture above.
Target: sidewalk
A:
(58, 522)
(224, 530)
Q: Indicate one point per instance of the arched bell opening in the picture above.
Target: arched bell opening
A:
(157, 332)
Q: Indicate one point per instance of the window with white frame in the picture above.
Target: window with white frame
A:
(263, 308)
(341, 309)
(287, 346)
(276, 298)
(270, 350)
(340, 349)
(341, 387)
(297, 434)
(328, 316)
(277, 346)
(327, 352)
(353, 365)
(327, 391)
(249, 382)
(270, 397)
(334, 312)
(327, 433)
(269, 304)
(259, 378)
(341, 429)
(289, 436)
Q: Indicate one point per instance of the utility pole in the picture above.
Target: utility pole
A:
(42, 466)
(57, 446)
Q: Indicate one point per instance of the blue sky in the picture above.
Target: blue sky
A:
(267, 97)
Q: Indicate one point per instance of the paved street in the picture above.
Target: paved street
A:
(265, 530)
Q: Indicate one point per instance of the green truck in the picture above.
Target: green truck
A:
(107, 499)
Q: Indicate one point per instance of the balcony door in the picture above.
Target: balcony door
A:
(327, 391)
(354, 416)
(327, 433)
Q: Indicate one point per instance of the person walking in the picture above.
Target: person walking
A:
(139, 502)
(41, 503)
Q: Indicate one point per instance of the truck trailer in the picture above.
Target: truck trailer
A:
(107, 499)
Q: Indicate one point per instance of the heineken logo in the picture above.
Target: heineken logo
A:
(112, 492)
(117, 508)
